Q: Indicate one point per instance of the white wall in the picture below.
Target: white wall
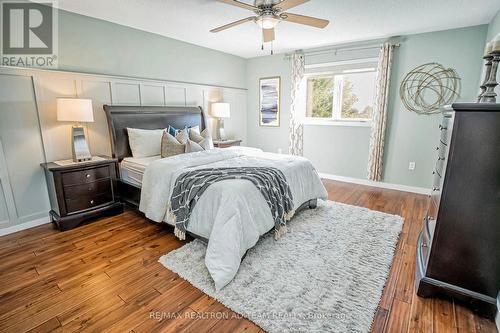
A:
(30, 133)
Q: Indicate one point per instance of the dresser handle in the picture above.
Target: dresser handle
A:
(437, 148)
(440, 158)
(435, 188)
(442, 128)
(87, 176)
(91, 202)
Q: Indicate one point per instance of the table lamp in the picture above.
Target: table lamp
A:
(77, 110)
(221, 111)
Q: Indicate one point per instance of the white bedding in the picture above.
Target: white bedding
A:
(232, 214)
(132, 168)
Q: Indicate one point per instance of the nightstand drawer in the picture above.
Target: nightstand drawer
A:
(86, 202)
(85, 176)
(94, 188)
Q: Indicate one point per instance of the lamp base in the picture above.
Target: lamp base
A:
(79, 145)
(221, 134)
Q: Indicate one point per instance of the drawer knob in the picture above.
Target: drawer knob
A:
(437, 148)
(87, 176)
(435, 188)
(91, 202)
(424, 245)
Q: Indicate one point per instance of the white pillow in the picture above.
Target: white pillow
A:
(144, 143)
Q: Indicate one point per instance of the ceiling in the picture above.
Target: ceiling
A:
(350, 20)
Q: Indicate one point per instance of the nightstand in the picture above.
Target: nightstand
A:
(81, 191)
(226, 143)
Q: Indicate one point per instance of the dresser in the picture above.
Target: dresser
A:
(458, 250)
(82, 191)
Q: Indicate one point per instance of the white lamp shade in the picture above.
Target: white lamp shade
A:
(221, 110)
(75, 109)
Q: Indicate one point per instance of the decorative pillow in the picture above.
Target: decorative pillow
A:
(182, 136)
(204, 139)
(195, 128)
(174, 131)
(144, 143)
(192, 147)
(171, 146)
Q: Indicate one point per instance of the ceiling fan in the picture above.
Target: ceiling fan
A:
(269, 14)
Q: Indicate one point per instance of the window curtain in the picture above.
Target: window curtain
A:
(296, 127)
(377, 137)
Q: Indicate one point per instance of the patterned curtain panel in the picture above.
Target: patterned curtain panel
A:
(296, 127)
(376, 153)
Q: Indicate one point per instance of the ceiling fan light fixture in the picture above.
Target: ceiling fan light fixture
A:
(267, 21)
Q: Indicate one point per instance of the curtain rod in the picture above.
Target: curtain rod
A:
(335, 50)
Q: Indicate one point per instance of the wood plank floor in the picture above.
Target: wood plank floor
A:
(105, 276)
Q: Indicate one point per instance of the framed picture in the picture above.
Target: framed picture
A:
(269, 101)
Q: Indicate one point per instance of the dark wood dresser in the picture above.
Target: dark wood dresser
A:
(82, 191)
(458, 251)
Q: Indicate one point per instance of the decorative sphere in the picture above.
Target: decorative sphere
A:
(428, 87)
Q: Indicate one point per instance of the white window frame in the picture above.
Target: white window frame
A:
(335, 70)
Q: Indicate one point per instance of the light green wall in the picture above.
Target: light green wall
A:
(268, 138)
(410, 137)
(494, 27)
(95, 46)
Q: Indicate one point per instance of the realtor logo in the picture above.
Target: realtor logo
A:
(29, 33)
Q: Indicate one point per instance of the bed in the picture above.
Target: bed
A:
(231, 215)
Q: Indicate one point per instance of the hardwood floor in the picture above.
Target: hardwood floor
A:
(105, 276)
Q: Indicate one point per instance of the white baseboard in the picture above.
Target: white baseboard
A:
(24, 226)
(404, 188)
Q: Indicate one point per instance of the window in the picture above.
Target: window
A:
(343, 94)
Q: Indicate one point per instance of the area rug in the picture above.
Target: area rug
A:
(326, 274)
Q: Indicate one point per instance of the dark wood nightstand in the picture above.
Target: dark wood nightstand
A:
(226, 143)
(80, 191)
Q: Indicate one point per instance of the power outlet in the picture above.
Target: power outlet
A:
(411, 166)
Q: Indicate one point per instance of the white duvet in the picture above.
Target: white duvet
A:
(231, 214)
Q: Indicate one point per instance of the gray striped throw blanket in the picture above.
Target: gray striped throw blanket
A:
(190, 186)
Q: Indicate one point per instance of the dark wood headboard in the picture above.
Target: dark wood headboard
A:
(147, 117)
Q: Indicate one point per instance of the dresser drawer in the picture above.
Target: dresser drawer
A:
(93, 188)
(425, 246)
(446, 128)
(85, 176)
(87, 202)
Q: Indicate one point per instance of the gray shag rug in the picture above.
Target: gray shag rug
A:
(326, 274)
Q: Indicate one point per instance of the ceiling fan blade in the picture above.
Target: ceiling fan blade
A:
(268, 35)
(307, 20)
(287, 4)
(239, 4)
(233, 24)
